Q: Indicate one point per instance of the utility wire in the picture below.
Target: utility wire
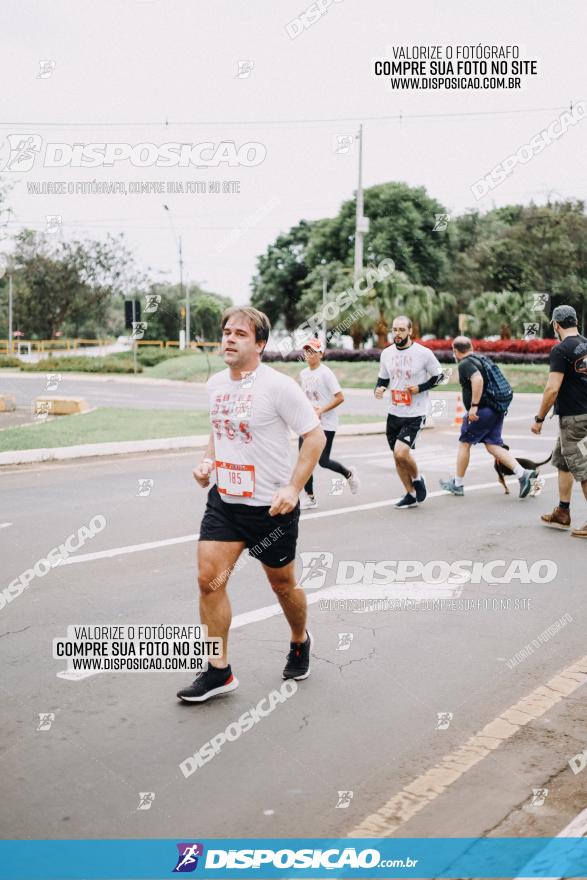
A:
(399, 117)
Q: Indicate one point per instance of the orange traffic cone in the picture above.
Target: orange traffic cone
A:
(459, 412)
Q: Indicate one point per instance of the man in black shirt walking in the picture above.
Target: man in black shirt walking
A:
(566, 390)
(483, 423)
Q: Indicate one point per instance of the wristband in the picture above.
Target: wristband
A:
(207, 461)
(476, 405)
(538, 420)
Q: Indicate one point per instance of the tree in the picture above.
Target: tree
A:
(205, 312)
(402, 220)
(278, 285)
(338, 278)
(396, 295)
(502, 313)
(522, 249)
(68, 284)
(401, 227)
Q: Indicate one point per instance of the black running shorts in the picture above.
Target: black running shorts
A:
(271, 539)
(404, 429)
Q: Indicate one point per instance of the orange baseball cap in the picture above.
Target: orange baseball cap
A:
(314, 344)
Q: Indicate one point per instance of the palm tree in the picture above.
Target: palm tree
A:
(397, 295)
(501, 313)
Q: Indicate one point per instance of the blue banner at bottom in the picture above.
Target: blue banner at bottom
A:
(293, 857)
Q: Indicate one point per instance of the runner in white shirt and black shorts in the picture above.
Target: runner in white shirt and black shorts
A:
(409, 370)
(321, 387)
(253, 503)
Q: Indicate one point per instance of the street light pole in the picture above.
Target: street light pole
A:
(359, 219)
(187, 301)
(135, 344)
(324, 295)
(10, 314)
(187, 297)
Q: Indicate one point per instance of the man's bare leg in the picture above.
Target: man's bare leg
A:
(405, 464)
(291, 597)
(565, 486)
(463, 457)
(216, 560)
(502, 455)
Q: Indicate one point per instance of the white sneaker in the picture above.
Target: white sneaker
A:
(307, 501)
(354, 482)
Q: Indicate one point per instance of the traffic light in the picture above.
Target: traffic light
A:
(182, 313)
(129, 317)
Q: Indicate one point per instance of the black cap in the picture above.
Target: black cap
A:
(561, 313)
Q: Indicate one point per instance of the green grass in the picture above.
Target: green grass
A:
(189, 367)
(7, 361)
(104, 426)
(110, 425)
(522, 377)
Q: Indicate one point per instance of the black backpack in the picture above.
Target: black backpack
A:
(497, 391)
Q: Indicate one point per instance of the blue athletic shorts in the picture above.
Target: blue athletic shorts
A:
(486, 430)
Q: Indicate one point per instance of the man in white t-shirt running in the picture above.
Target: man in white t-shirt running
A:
(409, 370)
(321, 387)
(253, 503)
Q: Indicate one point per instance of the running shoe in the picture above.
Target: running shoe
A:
(406, 502)
(526, 482)
(450, 486)
(354, 482)
(558, 519)
(208, 684)
(298, 660)
(420, 489)
(307, 501)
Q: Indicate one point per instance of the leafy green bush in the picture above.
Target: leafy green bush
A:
(8, 360)
(150, 357)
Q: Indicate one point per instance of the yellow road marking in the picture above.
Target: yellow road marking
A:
(426, 788)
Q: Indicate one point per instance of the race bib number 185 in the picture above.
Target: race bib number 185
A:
(235, 479)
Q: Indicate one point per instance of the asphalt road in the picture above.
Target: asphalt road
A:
(366, 721)
(108, 391)
(142, 393)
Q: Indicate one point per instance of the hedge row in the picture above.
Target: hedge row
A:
(519, 346)
(109, 364)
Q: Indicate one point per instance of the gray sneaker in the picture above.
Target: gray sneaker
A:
(450, 486)
(354, 482)
(527, 482)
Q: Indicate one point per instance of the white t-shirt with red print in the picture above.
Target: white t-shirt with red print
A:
(404, 367)
(251, 421)
(320, 386)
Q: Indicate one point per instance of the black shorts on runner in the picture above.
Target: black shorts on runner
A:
(271, 539)
(404, 429)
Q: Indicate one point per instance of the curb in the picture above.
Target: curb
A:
(126, 447)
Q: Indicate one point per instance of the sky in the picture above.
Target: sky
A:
(161, 71)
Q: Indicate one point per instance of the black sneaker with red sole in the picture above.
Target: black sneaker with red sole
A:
(297, 665)
(210, 683)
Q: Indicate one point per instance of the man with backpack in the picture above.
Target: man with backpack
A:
(486, 396)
